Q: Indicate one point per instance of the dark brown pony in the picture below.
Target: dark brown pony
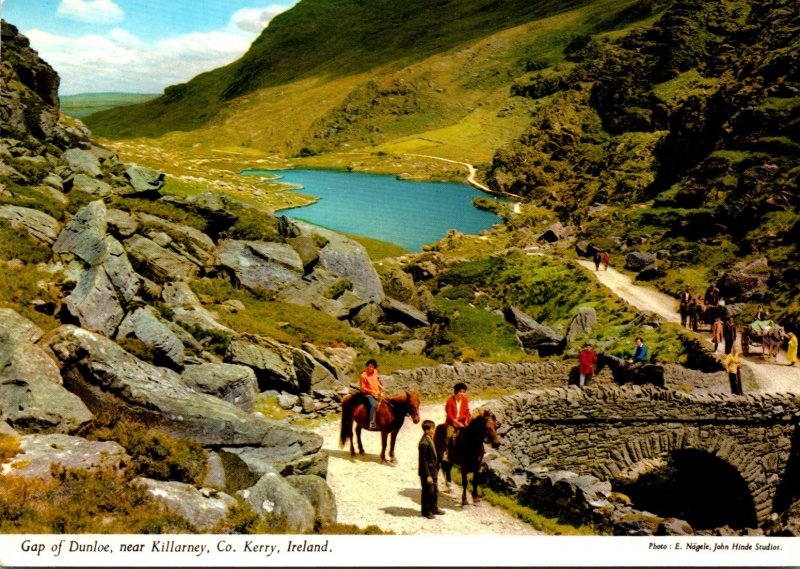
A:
(467, 451)
(389, 416)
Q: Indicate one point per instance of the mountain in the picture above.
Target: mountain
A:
(84, 104)
(679, 118)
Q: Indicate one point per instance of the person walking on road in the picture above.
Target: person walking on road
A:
(597, 258)
(791, 349)
(729, 335)
(716, 332)
(733, 366)
(606, 260)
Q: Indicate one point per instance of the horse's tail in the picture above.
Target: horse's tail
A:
(346, 432)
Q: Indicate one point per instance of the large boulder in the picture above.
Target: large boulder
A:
(234, 383)
(144, 180)
(397, 311)
(82, 161)
(113, 382)
(41, 452)
(17, 329)
(637, 260)
(202, 507)
(144, 325)
(95, 302)
(260, 264)
(741, 285)
(159, 263)
(277, 500)
(319, 495)
(84, 235)
(278, 366)
(37, 224)
(186, 241)
(582, 323)
(38, 405)
(186, 308)
(517, 317)
(345, 258)
(88, 185)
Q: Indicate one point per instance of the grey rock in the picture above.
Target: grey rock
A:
(119, 270)
(145, 325)
(403, 313)
(143, 179)
(121, 222)
(287, 400)
(40, 452)
(202, 507)
(158, 263)
(741, 285)
(95, 302)
(261, 265)
(519, 319)
(82, 161)
(278, 366)
(582, 323)
(277, 500)
(345, 258)
(17, 329)
(39, 225)
(112, 381)
(674, 526)
(234, 383)
(215, 476)
(306, 249)
(554, 233)
(638, 260)
(187, 308)
(186, 241)
(84, 235)
(415, 347)
(89, 185)
(318, 493)
(26, 361)
(38, 405)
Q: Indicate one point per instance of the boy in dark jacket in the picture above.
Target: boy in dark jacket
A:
(428, 471)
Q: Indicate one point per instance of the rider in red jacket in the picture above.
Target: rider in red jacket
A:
(457, 412)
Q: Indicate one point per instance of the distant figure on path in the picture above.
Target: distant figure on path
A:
(587, 359)
(716, 332)
(729, 334)
(734, 368)
(712, 295)
(791, 350)
(606, 260)
(684, 308)
(597, 259)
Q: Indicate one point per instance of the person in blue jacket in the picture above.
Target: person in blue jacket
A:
(639, 354)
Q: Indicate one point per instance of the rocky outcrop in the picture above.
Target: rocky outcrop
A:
(144, 180)
(202, 507)
(113, 382)
(234, 383)
(146, 326)
(159, 263)
(276, 499)
(41, 452)
(261, 265)
(637, 261)
(37, 224)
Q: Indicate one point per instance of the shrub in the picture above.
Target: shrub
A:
(16, 244)
(254, 225)
(156, 454)
(9, 447)
(79, 501)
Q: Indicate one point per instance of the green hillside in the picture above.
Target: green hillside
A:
(85, 104)
(331, 39)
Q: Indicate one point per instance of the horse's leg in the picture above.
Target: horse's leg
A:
(392, 440)
(464, 483)
(475, 498)
(352, 448)
(384, 435)
(360, 444)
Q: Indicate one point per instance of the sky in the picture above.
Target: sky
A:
(138, 46)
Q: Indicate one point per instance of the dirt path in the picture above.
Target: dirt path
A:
(771, 377)
(370, 493)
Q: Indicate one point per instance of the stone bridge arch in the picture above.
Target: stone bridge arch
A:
(608, 430)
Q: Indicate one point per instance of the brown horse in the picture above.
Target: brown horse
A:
(389, 416)
(467, 450)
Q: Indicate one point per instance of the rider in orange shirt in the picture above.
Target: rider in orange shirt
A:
(371, 387)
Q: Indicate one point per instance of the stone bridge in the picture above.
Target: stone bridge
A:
(616, 433)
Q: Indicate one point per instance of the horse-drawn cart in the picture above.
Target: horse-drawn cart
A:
(764, 333)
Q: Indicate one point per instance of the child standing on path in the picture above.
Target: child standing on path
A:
(428, 471)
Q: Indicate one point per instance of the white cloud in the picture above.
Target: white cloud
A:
(254, 20)
(91, 11)
(120, 61)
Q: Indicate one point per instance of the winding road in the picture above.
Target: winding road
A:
(772, 377)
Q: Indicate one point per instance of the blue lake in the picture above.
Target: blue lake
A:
(410, 214)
